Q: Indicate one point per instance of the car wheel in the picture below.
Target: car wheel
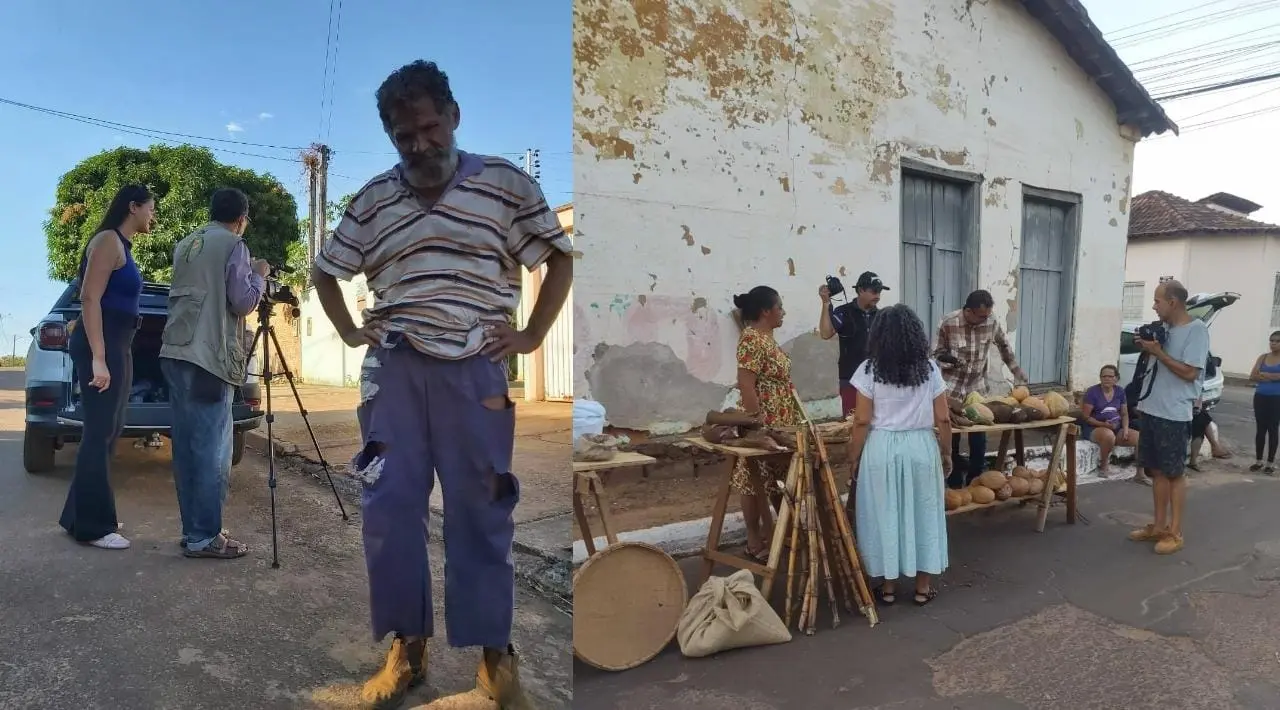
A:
(37, 451)
(237, 448)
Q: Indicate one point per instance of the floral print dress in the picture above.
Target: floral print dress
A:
(760, 354)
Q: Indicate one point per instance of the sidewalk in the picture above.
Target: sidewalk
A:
(542, 453)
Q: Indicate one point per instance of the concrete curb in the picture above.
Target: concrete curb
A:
(539, 567)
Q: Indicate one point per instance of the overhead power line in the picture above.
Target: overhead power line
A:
(138, 130)
(1161, 32)
(1218, 87)
(1121, 30)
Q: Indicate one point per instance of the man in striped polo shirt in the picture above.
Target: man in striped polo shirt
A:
(441, 238)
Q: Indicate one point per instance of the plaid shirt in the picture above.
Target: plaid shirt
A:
(969, 344)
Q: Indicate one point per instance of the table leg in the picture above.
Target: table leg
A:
(1046, 497)
(580, 515)
(1019, 448)
(717, 523)
(1071, 474)
(602, 507)
(1003, 453)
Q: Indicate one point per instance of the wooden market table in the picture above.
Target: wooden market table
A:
(711, 553)
(587, 482)
(1065, 437)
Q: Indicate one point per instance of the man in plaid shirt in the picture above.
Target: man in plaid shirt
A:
(964, 339)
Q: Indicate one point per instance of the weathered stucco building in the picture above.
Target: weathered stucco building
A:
(946, 145)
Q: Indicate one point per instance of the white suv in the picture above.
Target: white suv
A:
(1204, 306)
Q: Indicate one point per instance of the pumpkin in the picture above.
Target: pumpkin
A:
(1001, 413)
(1005, 492)
(959, 422)
(973, 398)
(1020, 486)
(1019, 415)
(1022, 472)
(1020, 393)
(955, 404)
(1040, 474)
(1037, 487)
(991, 479)
(1037, 404)
(1057, 404)
(982, 495)
(978, 414)
(966, 495)
(954, 499)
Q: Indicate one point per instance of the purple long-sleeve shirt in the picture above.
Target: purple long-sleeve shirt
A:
(244, 285)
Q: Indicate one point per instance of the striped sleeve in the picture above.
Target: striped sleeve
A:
(342, 255)
(535, 232)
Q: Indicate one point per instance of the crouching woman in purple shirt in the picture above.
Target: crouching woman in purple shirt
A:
(1106, 417)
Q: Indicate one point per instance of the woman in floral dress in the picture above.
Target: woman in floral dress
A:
(764, 381)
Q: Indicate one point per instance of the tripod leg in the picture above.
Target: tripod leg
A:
(288, 374)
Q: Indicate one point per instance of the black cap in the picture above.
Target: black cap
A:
(868, 279)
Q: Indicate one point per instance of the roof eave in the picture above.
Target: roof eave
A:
(1069, 23)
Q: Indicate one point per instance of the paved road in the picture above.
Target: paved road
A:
(1075, 617)
(146, 628)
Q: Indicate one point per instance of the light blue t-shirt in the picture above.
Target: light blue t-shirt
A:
(1171, 396)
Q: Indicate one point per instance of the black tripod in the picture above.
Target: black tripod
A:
(267, 334)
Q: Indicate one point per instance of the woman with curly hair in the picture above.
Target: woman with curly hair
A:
(764, 381)
(901, 454)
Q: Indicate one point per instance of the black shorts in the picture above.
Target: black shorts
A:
(1163, 446)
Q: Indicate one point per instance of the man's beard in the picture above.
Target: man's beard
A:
(431, 171)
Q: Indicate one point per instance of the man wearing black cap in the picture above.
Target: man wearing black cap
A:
(852, 322)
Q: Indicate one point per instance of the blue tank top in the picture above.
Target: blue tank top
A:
(124, 287)
(1268, 387)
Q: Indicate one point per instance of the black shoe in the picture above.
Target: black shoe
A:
(1256, 467)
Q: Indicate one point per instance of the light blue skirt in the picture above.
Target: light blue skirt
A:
(901, 512)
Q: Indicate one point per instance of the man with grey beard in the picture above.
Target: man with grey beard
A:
(434, 237)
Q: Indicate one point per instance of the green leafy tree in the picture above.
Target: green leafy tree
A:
(182, 178)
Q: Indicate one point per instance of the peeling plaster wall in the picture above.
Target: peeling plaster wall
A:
(722, 144)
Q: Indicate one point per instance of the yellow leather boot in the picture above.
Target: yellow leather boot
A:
(406, 667)
(499, 678)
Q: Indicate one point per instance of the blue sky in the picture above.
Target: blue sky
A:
(253, 71)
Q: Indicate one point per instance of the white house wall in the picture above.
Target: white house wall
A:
(722, 144)
(1246, 265)
(326, 360)
(1147, 260)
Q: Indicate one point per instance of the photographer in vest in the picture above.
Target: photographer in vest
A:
(1178, 348)
(203, 359)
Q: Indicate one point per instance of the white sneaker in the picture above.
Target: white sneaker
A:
(111, 541)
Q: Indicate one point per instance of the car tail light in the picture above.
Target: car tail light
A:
(52, 336)
(253, 402)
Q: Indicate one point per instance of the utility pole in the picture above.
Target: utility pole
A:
(533, 163)
(317, 161)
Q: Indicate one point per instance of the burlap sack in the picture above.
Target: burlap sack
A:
(726, 613)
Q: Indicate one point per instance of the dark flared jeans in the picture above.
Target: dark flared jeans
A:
(90, 510)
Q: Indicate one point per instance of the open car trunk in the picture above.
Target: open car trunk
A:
(149, 395)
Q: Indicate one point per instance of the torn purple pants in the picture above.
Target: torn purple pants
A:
(420, 416)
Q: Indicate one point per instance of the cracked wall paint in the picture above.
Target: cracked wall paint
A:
(770, 136)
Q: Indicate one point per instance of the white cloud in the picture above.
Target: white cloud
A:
(234, 127)
(264, 116)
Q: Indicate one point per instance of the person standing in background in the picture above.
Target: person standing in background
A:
(964, 339)
(1266, 406)
(852, 322)
(203, 359)
(102, 356)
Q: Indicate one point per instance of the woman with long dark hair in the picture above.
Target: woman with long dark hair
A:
(101, 352)
(900, 461)
(764, 381)
(1266, 405)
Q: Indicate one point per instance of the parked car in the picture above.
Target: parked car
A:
(1206, 307)
(53, 409)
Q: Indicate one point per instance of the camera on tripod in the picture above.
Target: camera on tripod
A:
(277, 292)
(1155, 331)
